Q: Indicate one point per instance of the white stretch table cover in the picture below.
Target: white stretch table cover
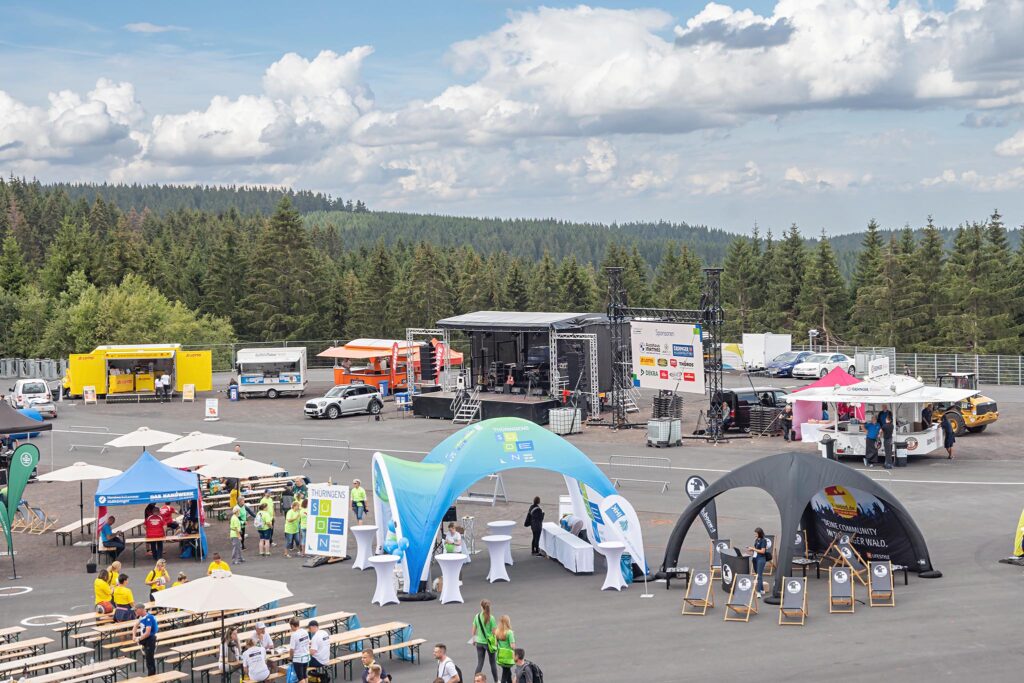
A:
(811, 431)
(497, 546)
(384, 566)
(364, 545)
(503, 526)
(612, 551)
(572, 552)
(451, 567)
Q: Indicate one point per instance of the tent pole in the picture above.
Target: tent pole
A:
(81, 506)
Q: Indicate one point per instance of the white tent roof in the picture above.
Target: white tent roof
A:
(238, 468)
(142, 437)
(196, 441)
(80, 471)
(890, 389)
(289, 354)
(190, 459)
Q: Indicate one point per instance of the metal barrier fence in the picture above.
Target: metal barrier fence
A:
(637, 465)
(990, 369)
(33, 368)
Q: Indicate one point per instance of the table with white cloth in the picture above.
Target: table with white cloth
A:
(612, 551)
(503, 526)
(384, 566)
(810, 432)
(451, 567)
(572, 552)
(364, 535)
(497, 547)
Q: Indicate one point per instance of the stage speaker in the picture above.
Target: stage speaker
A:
(427, 361)
(451, 515)
(574, 369)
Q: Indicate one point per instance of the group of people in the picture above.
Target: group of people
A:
(495, 643)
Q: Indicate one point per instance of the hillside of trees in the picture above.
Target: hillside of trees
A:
(80, 268)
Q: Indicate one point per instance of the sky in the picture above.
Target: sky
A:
(826, 113)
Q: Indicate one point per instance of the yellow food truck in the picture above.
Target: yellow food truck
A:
(135, 369)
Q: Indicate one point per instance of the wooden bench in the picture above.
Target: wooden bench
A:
(21, 648)
(165, 677)
(67, 533)
(106, 671)
(11, 633)
(43, 662)
(346, 660)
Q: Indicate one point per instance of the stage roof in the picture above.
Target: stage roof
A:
(521, 321)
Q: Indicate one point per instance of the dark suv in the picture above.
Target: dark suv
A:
(740, 401)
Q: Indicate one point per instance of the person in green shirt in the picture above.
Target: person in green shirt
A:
(358, 499)
(506, 641)
(303, 520)
(484, 625)
(269, 502)
(236, 535)
(291, 528)
(262, 522)
(243, 517)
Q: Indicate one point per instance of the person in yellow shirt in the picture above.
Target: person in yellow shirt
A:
(217, 565)
(104, 593)
(113, 574)
(182, 579)
(233, 498)
(158, 579)
(124, 601)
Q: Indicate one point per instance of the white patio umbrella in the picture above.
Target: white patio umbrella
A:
(80, 472)
(190, 459)
(220, 592)
(238, 467)
(196, 441)
(143, 437)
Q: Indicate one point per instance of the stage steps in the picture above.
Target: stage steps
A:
(467, 409)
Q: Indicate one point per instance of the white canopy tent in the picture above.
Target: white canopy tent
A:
(238, 467)
(190, 459)
(143, 437)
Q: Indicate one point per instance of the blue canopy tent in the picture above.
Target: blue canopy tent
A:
(149, 481)
(416, 495)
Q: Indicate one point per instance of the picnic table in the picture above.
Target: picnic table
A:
(165, 677)
(67, 533)
(45, 661)
(194, 538)
(73, 623)
(11, 633)
(19, 647)
(371, 633)
(114, 628)
(106, 671)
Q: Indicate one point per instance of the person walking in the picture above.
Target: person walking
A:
(123, 599)
(446, 669)
(872, 431)
(144, 633)
(787, 423)
(298, 648)
(243, 519)
(158, 578)
(506, 641)
(165, 383)
(484, 624)
(948, 436)
(759, 550)
(888, 427)
(269, 502)
(291, 529)
(263, 522)
(235, 534)
(522, 672)
(254, 661)
(155, 531)
(358, 500)
(535, 520)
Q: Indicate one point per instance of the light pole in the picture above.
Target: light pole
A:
(811, 334)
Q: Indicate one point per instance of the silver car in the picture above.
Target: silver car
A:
(345, 400)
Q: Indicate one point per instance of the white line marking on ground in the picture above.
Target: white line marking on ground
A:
(33, 621)
(6, 591)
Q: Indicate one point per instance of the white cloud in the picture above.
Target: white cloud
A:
(1012, 146)
(1002, 181)
(146, 27)
(744, 181)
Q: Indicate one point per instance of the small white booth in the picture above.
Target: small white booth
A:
(905, 396)
(272, 372)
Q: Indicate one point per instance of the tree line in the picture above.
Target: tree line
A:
(76, 272)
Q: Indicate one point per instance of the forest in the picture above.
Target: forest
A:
(82, 265)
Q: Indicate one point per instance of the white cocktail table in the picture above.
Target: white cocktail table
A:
(364, 545)
(612, 551)
(451, 567)
(384, 566)
(503, 526)
(497, 546)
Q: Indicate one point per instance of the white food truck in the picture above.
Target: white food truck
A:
(271, 372)
(905, 396)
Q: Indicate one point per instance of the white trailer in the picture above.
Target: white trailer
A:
(272, 372)
(761, 349)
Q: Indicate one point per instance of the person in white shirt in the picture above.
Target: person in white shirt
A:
(298, 647)
(454, 539)
(319, 645)
(264, 639)
(446, 670)
(165, 383)
(254, 661)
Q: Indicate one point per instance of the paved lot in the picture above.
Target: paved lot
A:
(960, 626)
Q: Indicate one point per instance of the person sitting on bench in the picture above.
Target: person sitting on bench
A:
(110, 540)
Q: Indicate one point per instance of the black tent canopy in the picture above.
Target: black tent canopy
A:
(793, 480)
(13, 422)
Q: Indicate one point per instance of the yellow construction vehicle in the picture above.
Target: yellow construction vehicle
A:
(972, 414)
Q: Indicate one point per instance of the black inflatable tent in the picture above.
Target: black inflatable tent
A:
(793, 480)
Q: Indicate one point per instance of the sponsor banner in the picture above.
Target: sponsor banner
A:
(1018, 538)
(878, 367)
(877, 532)
(709, 513)
(327, 525)
(668, 356)
(212, 409)
(623, 523)
(394, 365)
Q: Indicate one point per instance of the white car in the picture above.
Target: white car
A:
(820, 364)
(345, 400)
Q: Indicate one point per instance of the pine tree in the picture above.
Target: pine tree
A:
(228, 264)
(72, 249)
(543, 288)
(667, 274)
(122, 254)
(636, 279)
(1004, 291)
(427, 295)
(13, 273)
(823, 298)
(470, 295)
(961, 325)
(575, 290)
(933, 295)
(690, 283)
(739, 287)
(868, 259)
(492, 284)
(786, 281)
(516, 296)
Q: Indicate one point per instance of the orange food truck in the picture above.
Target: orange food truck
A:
(371, 361)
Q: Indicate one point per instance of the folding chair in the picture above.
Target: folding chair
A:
(793, 608)
(800, 556)
(852, 559)
(832, 551)
(742, 600)
(42, 522)
(769, 567)
(699, 594)
(881, 591)
(23, 519)
(840, 591)
(718, 547)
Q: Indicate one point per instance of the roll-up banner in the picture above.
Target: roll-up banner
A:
(327, 526)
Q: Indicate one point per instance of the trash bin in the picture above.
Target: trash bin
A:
(830, 447)
(233, 392)
(382, 386)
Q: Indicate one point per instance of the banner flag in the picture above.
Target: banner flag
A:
(23, 464)
(709, 513)
(6, 524)
(394, 366)
(624, 523)
(1018, 539)
(327, 527)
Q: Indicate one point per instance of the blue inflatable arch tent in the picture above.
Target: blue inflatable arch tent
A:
(148, 481)
(416, 495)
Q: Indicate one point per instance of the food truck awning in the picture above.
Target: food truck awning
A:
(362, 353)
(282, 355)
(143, 354)
(880, 390)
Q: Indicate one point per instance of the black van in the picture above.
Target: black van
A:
(740, 400)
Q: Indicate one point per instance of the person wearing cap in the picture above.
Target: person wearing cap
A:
(144, 633)
(358, 499)
(263, 637)
(319, 645)
(236, 535)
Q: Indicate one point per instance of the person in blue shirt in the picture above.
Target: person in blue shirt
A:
(144, 634)
(108, 539)
(760, 557)
(887, 423)
(871, 444)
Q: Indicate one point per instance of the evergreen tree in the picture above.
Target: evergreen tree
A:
(492, 284)
(786, 281)
(933, 295)
(543, 288)
(667, 275)
(739, 287)
(636, 278)
(823, 302)
(427, 295)
(961, 325)
(226, 272)
(691, 278)
(72, 249)
(1004, 291)
(516, 295)
(122, 253)
(869, 259)
(13, 273)
(575, 288)
(471, 296)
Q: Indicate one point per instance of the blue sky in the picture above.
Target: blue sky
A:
(822, 112)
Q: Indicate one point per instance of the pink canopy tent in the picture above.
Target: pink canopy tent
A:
(807, 410)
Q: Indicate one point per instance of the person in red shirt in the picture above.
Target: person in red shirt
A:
(155, 529)
(167, 512)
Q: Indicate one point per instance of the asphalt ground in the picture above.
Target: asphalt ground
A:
(961, 626)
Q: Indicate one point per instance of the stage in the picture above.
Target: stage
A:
(534, 408)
